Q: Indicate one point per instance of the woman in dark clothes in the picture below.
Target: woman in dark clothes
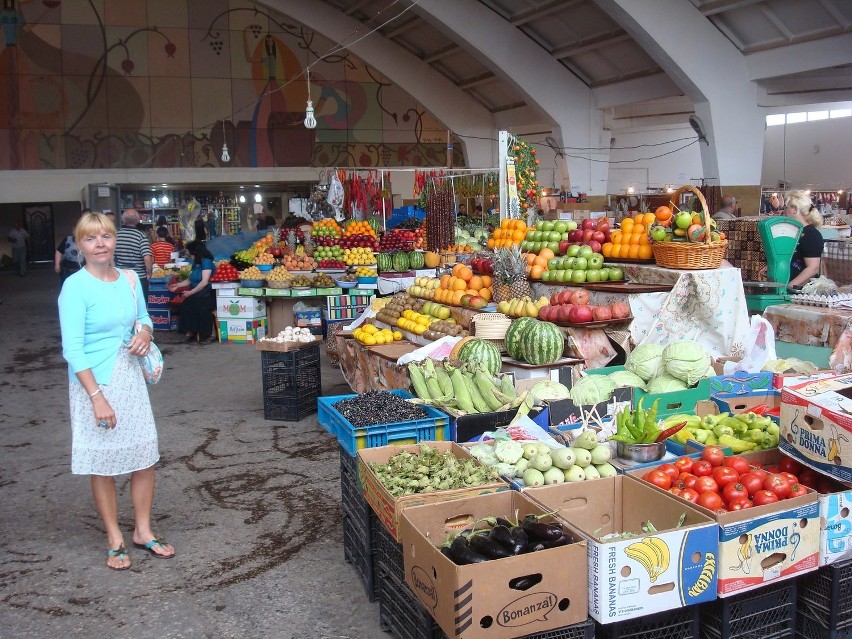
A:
(808, 255)
(196, 311)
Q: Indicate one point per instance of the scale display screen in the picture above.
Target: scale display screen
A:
(784, 230)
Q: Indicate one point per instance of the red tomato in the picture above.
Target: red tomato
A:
(764, 497)
(689, 494)
(670, 470)
(702, 468)
(772, 470)
(761, 472)
(752, 482)
(675, 491)
(689, 481)
(755, 464)
(791, 478)
(710, 500)
(738, 463)
(734, 492)
(797, 490)
(713, 454)
(705, 485)
(778, 484)
(790, 465)
(740, 504)
(659, 479)
(724, 476)
(809, 478)
(827, 485)
(684, 464)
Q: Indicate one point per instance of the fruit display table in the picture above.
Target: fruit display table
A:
(367, 368)
(818, 329)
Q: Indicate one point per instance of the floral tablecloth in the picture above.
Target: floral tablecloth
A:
(808, 325)
(365, 370)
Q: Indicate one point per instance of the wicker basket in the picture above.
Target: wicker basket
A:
(491, 327)
(691, 255)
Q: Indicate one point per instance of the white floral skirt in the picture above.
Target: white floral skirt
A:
(132, 444)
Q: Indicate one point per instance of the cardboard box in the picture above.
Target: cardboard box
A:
(477, 601)
(229, 307)
(816, 425)
(308, 318)
(163, 320)
(389, 508)
(242, 331)
(626, 586)
(159, 300)
(835, 527)
(251, 292)
(763, 543)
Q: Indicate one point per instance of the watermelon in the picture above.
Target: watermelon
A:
(482, 351)
(400, 262)
(384, 261)
(416, 260)
(514, 336)
(542, 343)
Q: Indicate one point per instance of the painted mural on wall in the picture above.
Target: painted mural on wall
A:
(142, 84)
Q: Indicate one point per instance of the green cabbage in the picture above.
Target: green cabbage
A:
(686, 360)
(646, 361)
(626, 378)
(665, 383)
(592, 389)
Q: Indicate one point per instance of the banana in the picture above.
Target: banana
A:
(706, 577)
(662, 551)
(645, 555)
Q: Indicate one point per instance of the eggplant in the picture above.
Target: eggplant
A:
(524, 583)
(535, 546)
(462, 554)
(537, 530)
(520, 540)
(564, 540)
(484, 545)
(445, 550)
(504, 522)
(502, 535)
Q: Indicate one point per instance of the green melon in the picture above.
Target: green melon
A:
(416, 259)
(384, 262)
(514, 336)
(542, 343)
(484, 352)
(400, 262)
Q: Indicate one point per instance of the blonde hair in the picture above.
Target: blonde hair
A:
(802, 201)
(91, 224)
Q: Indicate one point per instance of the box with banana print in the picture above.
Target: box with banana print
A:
(816, 425)
(647, 552)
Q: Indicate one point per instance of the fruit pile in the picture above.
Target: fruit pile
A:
(284, 234)
(482, 266)
(349, 277)
(370, 335)
(331, 263)
(264, 258)
(681, 226)
(459, 390)
(363, 271)
(723, 483)
(572, 307)
(534, 342)
(741, 433)
(436, 310)
(302, 280)
(358, 256)
(322, 280)
(299, 263)
(225, 272)
(522, 307)
(510, 232)
(398, 240)
(327, 252)
(354, 228)
(463, 288)
(585, 267)
(278, 274)
(326, 228)
(560, 235)
(251, 273)
(356, 241)
(632, 240)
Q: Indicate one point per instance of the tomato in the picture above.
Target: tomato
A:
(675, 491)
(752, 482)
(684, 464)
(738, 463)
(702, 468)
(790, 465)
(734, 492)
(791, 478)
(778, 484)
(689, 481)
(809, 478)
(705, 485)
(670, 470)
(740, 504)
(659, 479)
(713, 454)
(797, 490)
(827, 485)
(772, 470)
(689, 494)
(724, 476)
(710, 500)
(764, 497)
(761, 472)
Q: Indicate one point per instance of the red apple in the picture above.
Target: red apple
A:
(563, 312)
(587, 224)
(580, 314)
(599, 236)
(563, 246)
(575, 236)
(602, 225)
(587, 235)
(619, 310)
(602, 313)
(595, 246)
(565, 296)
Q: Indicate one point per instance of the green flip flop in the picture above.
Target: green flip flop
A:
(150, 547)
(121, 553)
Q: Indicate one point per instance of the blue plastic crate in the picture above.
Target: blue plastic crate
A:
(436, 427)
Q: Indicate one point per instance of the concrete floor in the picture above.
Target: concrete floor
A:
(252, 506)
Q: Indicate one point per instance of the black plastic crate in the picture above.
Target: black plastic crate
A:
(808, 627)
(768, 613)
(680, 623)
(348, 463)
(291, 371)
(292, 406)
(826, 597)
(358, 550)
(389, 554)
(401, 613)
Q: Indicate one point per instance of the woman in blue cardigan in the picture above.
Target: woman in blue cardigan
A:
(112, 424)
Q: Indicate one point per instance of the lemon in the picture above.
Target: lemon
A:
(370, 340)
(370, 329)
(419, 329)
(397, 336)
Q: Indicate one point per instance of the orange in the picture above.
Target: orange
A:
(485, 293)
(536, 271)
(650, 218)
(606, 249)
(518, 236)
(504, 224)
(530, 258)
(646, 252)
(635, 238)
(638, 227)
(546, 253)
(457, 297)
(459, 285)
(471, 291)
(445, 281)
(540, 261)
(627, 224)
(663, 213)
(616, 250)
(475, 282)
(633, 253)
(465, 273)
(615, 236)
(486, 280)
(491, 243)
(644, 240)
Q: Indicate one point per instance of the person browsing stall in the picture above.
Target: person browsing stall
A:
(133, 250)
(808, 254)
(112, 424)
(162, 250)
(196, 311)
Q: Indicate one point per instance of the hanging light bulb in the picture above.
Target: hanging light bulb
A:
(242, 199)
(257, 197)
(154, 201)
(310, 121)
(165, 199)
(226, 157)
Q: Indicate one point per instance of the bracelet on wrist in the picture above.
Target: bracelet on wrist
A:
(97, 392)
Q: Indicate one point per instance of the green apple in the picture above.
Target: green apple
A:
(595, 260)
(561, 277)
(593, 275)
(526, 246)
(547, 276)
(561, 226)
(604, 274)
(683, 220)
(615, 274)
(568, 262)
(530, 235)
(578, 277)
(658, 233)
(554, 236)
(581, 263)
(553, 246)
(586, 251)
(574, 250)
(572, 225)
(554, 263)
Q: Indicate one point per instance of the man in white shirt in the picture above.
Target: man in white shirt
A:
(728, 210)
(20, 241)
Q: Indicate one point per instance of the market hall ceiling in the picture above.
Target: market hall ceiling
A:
(781, 37)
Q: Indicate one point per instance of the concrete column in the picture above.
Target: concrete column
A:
(711, 72)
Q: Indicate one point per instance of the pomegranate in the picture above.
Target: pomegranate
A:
(602, 313)
(580, 314)
(579, 297)
(619, 310)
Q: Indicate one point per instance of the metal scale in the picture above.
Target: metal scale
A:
(779, 235)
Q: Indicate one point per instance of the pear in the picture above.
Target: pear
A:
(530, 310)
(503, 307)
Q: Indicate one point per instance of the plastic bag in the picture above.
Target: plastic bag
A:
(438, 350)
(524, 430)
(760, 345)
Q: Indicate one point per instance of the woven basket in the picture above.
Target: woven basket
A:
(691, 255)
(491, 327)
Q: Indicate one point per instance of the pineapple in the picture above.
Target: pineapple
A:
(292, 242)
(510, 274)
(309, 244)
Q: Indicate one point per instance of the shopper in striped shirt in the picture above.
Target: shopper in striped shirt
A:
(132, 249)
(161, 249)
